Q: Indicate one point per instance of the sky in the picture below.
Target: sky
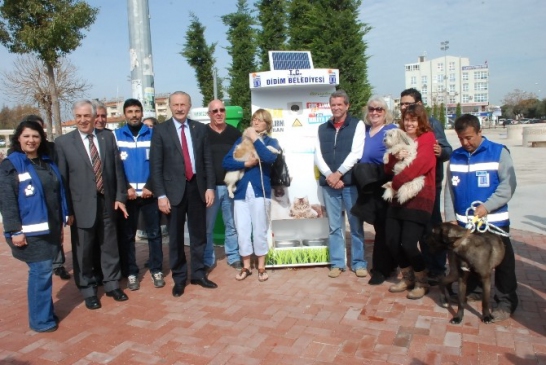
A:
(509, 35)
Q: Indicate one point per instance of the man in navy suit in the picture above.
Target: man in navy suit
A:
(183, 180)
(89, 162)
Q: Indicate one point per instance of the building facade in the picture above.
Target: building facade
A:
(114, 107)
(450, 80)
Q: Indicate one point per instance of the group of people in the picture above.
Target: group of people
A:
(100, 182)
(354, 167)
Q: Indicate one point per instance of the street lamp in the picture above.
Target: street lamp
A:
(444, 47)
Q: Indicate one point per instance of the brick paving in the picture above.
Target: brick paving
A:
(300, 316)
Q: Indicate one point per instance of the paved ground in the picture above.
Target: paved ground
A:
(299, 316)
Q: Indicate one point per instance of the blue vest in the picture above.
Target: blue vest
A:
(335, 146)
(32, 204)
(474, 176)
(135, 155)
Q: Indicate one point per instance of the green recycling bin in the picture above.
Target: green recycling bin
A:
(234, 115)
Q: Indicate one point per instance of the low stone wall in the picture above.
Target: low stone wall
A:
(534, 136)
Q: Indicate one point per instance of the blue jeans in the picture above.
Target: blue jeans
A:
(336, 200)
(230, 242)
(151, 214)
(40, 304)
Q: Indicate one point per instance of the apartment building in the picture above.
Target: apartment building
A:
(450, 80)
(114, 107)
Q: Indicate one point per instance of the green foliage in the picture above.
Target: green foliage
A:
(51, 29)
(435, 113)
(458, 111)
(428, 109)
(297, 256)
(272, 35)
(242, 38)
(10, 117)
(442, 114)
(200, 56)
(161, 119)
(335, 36)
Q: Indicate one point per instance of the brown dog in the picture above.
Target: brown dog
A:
(467, 252)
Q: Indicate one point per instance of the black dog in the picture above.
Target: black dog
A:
(467, 251)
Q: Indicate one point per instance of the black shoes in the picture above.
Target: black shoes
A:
(377, 278)
(92, 302)
(178, 290)
(117, 294)
(62, 273)
(204, 282)
(236, 265)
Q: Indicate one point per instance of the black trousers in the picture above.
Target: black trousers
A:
(506, 283)
(195, 209)
(402, 239)
(84, 251)
(383, 261)
(434, 261)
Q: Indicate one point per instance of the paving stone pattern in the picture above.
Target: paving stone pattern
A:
(299, 316)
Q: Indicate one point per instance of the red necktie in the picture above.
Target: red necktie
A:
(97, 166)
(186, 155)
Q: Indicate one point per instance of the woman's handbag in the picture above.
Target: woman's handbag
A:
(279, 172)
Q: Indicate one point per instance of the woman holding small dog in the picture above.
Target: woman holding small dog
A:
(253, 193)
(406, 222)
(370, 176)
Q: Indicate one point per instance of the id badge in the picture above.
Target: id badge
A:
(483, 179)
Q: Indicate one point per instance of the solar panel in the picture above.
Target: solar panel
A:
(290, 60)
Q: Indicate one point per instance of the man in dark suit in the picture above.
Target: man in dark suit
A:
(89, 163)
(183, 180)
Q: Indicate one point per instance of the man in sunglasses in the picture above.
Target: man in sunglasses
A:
(222, 137)
(436, 262)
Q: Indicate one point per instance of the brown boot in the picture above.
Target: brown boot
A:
(421, 286)
(407, 282)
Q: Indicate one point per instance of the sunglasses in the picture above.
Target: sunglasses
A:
(406, 104)
(371, 109)
(221, 110)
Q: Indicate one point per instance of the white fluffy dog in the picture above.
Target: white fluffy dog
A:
(243, 152)
(397, 140)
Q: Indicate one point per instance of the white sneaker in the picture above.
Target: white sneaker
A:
(132, 283)
(157, 278)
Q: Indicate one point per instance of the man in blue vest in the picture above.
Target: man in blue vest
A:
(339, 146)
(483, 171)
(134, 141)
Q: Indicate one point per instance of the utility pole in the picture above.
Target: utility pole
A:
(444, 47)
(140, 53)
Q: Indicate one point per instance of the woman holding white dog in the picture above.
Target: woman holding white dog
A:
(406, 222)
(253, 193)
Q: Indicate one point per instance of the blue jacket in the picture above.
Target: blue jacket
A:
(31, 199)
(135, 155)
(335, 146)
(252, 175)
(474, 176)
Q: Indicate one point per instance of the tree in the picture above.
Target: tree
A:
(242, 37)
(458, 111)
(333, 33)
(518, 103)
(272, 35)
(50, 30)
(442, 114)
(200, 56)
(11, 117)
(435, 110)
(28, 83)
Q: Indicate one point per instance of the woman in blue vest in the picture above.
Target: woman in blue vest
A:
(34, 208)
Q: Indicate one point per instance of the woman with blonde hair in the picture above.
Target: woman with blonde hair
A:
(370, 176)
(253, 193)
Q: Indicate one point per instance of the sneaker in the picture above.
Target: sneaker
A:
(157, 278)
(500, 314)
(334, 272)
(132, 282)
(361, 273)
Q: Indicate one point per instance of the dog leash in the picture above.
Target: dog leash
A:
(474, 223)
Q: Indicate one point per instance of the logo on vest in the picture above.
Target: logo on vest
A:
(455, 180)
(123, 155)
(29, 191)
